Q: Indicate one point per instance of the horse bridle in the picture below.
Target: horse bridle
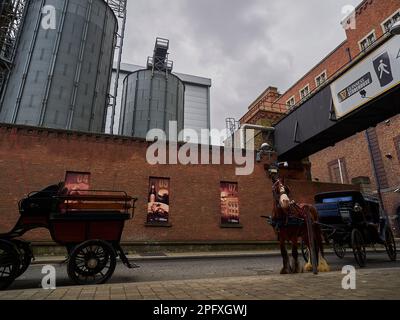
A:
(276, 194)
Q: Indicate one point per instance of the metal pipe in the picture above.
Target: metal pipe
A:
(122, 35)
(255, 127)
(78, 70)
(96, 83)
(53, 64)
(136, 101)
(374, 167)
(27, 65)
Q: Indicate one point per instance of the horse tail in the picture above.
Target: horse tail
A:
(322, 263)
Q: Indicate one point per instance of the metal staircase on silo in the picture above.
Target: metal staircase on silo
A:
(159, 61)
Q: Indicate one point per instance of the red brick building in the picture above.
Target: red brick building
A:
(34, 158)
(374, 164)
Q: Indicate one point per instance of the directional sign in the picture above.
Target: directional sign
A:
(373, 76)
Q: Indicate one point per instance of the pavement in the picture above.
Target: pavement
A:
(377, 284)
(192, 255)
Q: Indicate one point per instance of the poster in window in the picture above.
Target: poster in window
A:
(76, 182)
(230, 213)
(158, 200)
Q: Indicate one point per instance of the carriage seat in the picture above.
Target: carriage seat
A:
(40, 203)
(96, 203)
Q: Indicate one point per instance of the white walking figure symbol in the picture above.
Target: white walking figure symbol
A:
(382, 68)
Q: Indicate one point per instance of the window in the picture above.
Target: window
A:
(367, 41)
(338, 171)
(304, 93)
(387, 25)
(321, 79)
(291, 102)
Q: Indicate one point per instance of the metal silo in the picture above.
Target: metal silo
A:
(62, 76)
(151, 99)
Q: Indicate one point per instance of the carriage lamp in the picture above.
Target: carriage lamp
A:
(395, 30)
(265, 149)
(358, 208)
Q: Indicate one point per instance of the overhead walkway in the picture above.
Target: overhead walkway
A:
(364, 94)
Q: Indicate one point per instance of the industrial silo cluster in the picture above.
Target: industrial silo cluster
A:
(61, 76)
(60, 72)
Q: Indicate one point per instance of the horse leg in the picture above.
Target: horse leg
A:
(323, 265)
(308, 266)
(285, 255)
(295, 255)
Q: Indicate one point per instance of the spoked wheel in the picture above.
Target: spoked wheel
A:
(92, 262)
(9, 264)
(390, 245)
(339, 249)
(358, 245)
(26, 255)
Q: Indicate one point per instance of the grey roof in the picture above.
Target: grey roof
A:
(186, 78)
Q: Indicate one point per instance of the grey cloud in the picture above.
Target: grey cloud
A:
(243, 45)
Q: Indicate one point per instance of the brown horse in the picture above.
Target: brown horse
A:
(289, 222)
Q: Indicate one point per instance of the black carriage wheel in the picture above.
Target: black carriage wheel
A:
(305, 251)
(390, 245)
(339, 249)
(358, 245)
(9, 264)
(92, 262)
(26, 256)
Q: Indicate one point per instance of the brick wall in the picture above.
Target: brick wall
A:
(31, 159)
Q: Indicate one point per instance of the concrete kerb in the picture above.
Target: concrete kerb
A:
(186, 256)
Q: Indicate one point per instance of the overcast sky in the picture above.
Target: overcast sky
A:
(244, 46)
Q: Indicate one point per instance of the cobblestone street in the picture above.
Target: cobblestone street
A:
(379, 284)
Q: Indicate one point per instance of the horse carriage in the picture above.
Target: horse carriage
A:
(344, 218)
(88, 223)
(350, 219)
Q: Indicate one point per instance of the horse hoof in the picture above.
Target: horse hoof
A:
(308, 267)
(297, 269)
(323, 266)
(285, 271)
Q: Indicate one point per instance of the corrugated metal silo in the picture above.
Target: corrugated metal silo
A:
(151, 99)
(62, 76)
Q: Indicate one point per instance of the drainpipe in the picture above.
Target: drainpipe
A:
(378, 183)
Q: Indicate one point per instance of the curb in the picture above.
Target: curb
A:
(61, 260)
(137, 258)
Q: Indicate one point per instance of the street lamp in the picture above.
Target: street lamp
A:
(395, 30)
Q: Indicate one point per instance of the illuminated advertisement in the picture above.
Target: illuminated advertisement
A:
(158, 200)
(230, 213)
(77, 181)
